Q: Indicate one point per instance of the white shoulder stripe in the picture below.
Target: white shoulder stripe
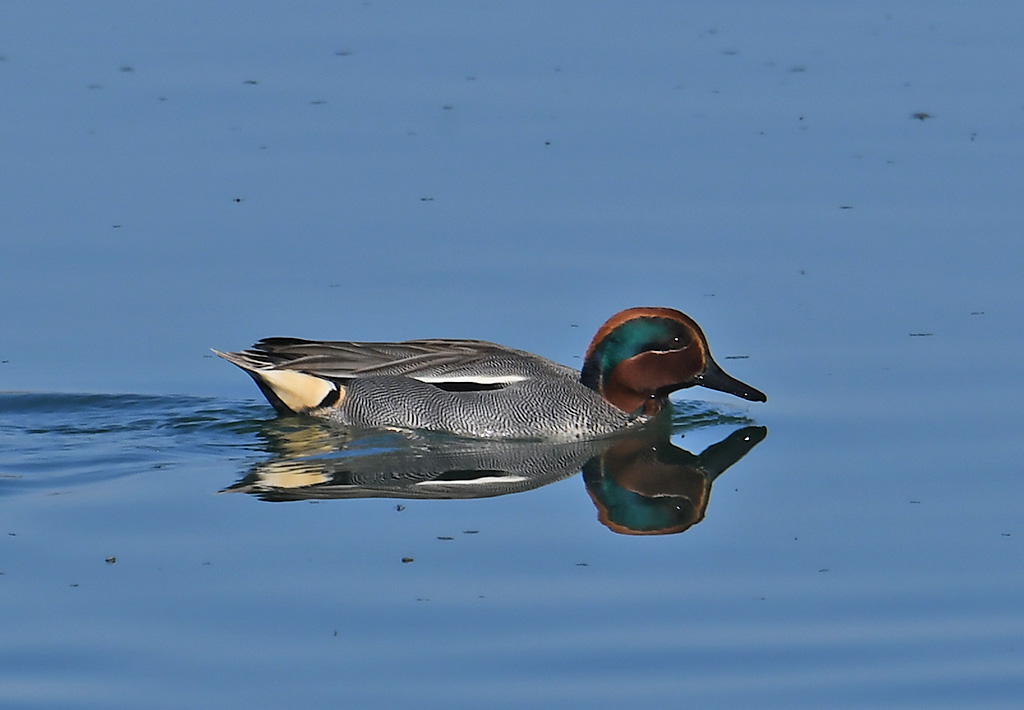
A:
(474, 379)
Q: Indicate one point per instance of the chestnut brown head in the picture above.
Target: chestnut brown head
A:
(642, 355)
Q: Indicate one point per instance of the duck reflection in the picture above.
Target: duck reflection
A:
(643, 487)
(640, 482)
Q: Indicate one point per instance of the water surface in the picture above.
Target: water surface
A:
(831, 191)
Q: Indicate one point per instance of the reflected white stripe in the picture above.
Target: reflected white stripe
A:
(472, 481)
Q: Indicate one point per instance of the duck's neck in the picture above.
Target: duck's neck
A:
(633, 385)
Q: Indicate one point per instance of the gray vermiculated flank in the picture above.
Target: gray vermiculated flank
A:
(383, 387)
(532, 408)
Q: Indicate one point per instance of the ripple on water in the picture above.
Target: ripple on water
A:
(51, 439)
(58, 440)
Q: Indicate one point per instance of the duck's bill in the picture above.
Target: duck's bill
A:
(716, 378)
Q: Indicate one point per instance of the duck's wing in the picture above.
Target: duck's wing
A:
(451, 364)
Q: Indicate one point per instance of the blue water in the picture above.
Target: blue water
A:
(832, 191)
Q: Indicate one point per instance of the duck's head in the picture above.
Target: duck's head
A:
(642, 355)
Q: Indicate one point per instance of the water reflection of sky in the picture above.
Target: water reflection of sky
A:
(193, 176)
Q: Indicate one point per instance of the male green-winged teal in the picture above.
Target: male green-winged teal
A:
(480, 389)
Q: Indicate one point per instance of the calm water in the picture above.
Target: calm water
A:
(832, 192)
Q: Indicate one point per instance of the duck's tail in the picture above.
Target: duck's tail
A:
(289, 391)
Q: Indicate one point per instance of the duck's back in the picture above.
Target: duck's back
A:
(438, 360)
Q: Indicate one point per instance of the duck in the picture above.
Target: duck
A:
(479, 389)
